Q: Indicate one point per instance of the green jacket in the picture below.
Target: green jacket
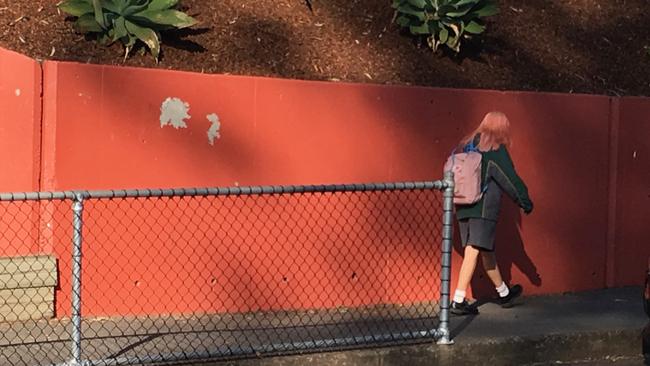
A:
(498, 172)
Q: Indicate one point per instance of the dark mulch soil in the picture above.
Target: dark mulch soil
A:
(586, 46)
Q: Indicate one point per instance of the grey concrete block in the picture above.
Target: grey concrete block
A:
(35, 263)
(28, 272)
(27, 295)
(14, 312)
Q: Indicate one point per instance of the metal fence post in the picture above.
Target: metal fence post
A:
(77, 240)
(447, 235)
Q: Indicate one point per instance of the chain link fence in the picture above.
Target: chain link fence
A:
(35, 287)
(150, 276)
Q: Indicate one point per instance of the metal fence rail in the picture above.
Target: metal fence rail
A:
(215, 273)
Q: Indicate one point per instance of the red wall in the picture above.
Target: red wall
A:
(20, 111)
(101, 129)
(107, 134)
(632, 248)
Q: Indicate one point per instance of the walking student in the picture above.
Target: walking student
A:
(477, 221)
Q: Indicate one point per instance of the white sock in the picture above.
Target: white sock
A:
(459, 296)
(503, 290)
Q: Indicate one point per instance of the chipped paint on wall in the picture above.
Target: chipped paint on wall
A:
(174, 112)
(17, 92)
(214, 131)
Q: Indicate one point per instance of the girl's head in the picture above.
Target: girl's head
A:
(494, 130)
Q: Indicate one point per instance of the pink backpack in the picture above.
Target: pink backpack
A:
(466, 167)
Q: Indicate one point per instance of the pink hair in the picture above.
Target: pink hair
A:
(494, 130)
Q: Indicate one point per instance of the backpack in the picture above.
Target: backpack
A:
(466, 167)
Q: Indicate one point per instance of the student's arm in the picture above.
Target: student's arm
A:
(502, 171)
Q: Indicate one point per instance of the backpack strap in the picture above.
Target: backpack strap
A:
(472, 147)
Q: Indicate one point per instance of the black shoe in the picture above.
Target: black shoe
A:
(463, 308)
(508, 301)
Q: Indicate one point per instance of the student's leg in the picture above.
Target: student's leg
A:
(460, 306)
(491, 267)
(506, 295)
(466, 271)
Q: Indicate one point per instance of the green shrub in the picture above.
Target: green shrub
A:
(127, 21)
(444, 22)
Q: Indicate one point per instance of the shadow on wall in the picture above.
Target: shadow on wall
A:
(510, 253)
(508, 235)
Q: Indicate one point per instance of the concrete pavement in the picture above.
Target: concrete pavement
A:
(595, 326)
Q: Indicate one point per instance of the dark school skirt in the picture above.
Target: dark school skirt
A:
(478, 233)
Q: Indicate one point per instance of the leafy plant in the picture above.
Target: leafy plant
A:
(444, 22)
(127, 21)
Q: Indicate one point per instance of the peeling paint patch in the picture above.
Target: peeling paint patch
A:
(174, 112)
(214, 131)
(17, 92)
